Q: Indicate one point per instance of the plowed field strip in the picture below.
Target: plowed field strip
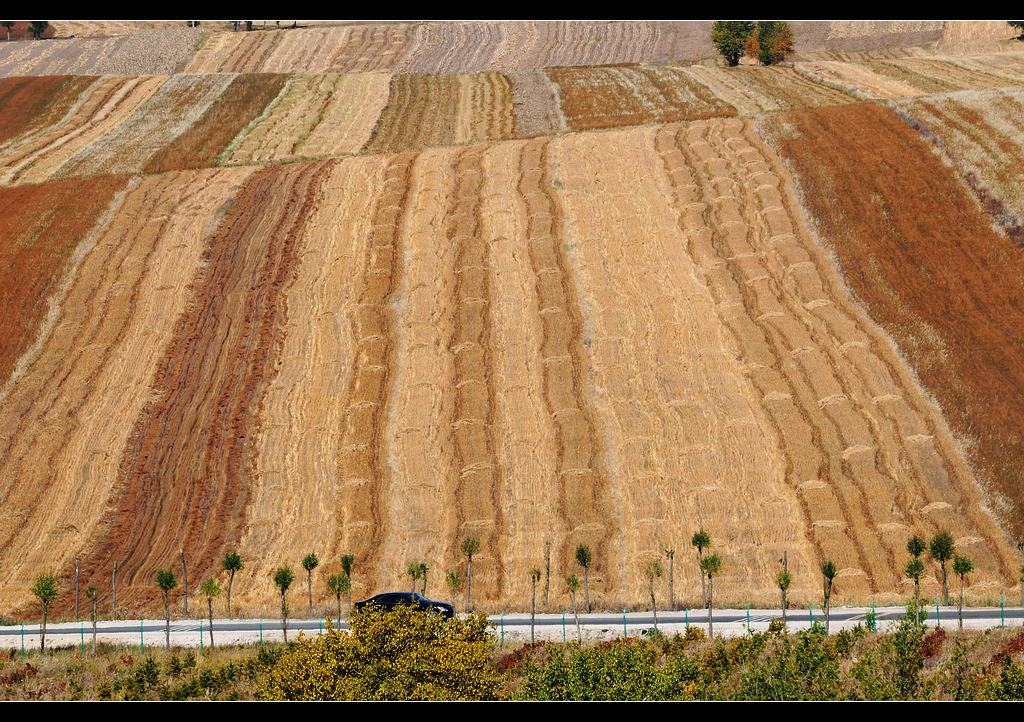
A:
(350, 116)
(860, 79)
(421, 112)
(478, 492)
(180, 102)
(94, 368)
(30, 103)
(42, 226)
(937, 271)
(292, 502)
(484, 111)
(363, 463)
(107, 103)
(535, 105)
(185, 470)
(198, 147)
(580, 477)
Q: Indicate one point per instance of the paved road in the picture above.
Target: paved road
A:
(510, 627)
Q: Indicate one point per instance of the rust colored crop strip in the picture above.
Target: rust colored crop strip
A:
(30, 102)
(241, 101)
(478, 495)
(582, 480)
(41, 226)
(185, 468)
(420, 112)
(363, 466)
(252, 53)
(924, 260)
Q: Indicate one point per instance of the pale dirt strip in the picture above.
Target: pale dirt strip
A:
(293, 497)
(107, 103)
(859, 79)
(67, 419)
(314, 116)
(157, 122)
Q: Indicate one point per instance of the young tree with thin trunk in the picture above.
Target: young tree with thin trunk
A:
(453, 581)
(210, 589)
(470, 546)
(671, 554)
(414, 573)
(534, 578)
(701, 540)
(184, 580)
(90, 594)
(232, 563)
(828, 573)
(914, 570)
(1020, 548)
(784, 579)
(283, 579)
(652, 571)
(962, 566)
(942, 548)
(573, 583)
(347, 563)
(113, 589)
(584, 558)
(710, 567)
(166, 580)
(336, 584)
(423, 573)
(309, 563)
(547, 572)
(76, 590)
(9, 24)
(45, 590)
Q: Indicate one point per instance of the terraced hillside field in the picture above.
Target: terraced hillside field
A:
(374, 288)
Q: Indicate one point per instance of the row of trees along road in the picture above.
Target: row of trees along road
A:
(942, 549)
(768, 41)
(36, 28)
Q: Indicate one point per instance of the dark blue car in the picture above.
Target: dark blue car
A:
(390, 600)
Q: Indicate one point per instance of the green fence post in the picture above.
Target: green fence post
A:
(687, 617)
(320, 623)
(937, 625)
(200, 636)
(503, 629)
(874, 618)
(748, 620)
(142, 641)
(563, 626)
(261, 632)
(1002, 616)
(624, 632)
(81, 630)
(23, 640)
(810, 611)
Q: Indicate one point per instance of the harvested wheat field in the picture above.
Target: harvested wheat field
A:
(92, 366)
(982, 134)
(925, 261)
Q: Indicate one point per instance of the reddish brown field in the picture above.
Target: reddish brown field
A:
(197, 147)
(30, 103)
(607, 97)
(921, 255)
(184, 473)
(41, 227)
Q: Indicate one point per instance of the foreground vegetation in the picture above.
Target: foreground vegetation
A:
(409, 655)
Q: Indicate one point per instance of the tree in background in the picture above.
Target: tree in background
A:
(915, 567)
(8, 24)
(336, 584)
(671, 555)
(534, 578)
(1019, 26)
(701, 540)
(283, 578)
(784, 579)
(309, 563)
(710, 567)
(470, 546)
(37, 28)
(729, 38)
(423, 573)
(962, 566)
(45, 590)
(584, 558)
(453, 581)
(942, 548)
(232, 563)
(210, 589)
(347, 564)
(90, 594)
(573, 583)
(414, 571)
(774, 41)
(166, 580)
(828, 573)
(653, 571)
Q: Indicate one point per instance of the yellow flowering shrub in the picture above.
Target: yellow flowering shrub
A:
(394, 655)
